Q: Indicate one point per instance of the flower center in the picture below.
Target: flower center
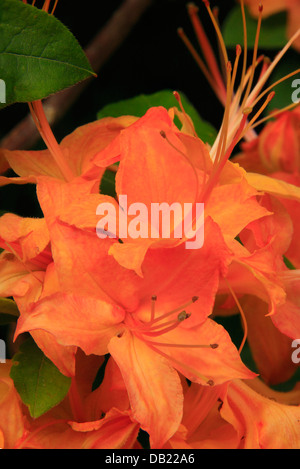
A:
(161, 325)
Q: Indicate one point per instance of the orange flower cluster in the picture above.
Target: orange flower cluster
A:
(145, 310)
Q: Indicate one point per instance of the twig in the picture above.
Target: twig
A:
(24, 135)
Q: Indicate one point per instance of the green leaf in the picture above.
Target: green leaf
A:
(139, 105)
(288, 263)
(38, 54)
(107, 185)
(8, 311)
(39, 383)
(273, 30)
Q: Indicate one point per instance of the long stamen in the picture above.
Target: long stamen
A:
(187, 117)
(38, 114)
(176, 310)
(208, 381)
(201, 64)
(218, 31)
(153, 301)
(255, 50)
(242, 315)
(215, 174)
(224, 128)
(206, 47)
(286, 77)
(54, 7)
(275, 114)
(277, 59)
(245, 48)
(164, 135)
(163, 344)
(249, 126)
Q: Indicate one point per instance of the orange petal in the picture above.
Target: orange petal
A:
(12, 421)
(153, 387)
(203, 364)
(273, 186)
(257, 419)
(31, 234)
(270, 348)
(75, 321)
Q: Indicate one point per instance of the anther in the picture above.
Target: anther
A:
(210, 382)
(213, 346)
(183, 316)
(195, 298)
(163, 134)
(238, 50)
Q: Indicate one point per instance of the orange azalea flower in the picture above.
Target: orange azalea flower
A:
(238, 415)
(276, 152)
(272, 7)
(81, 421)
(12, 420)
(67, 161)
(271, 313)
(277, 147)
(202, 425)
(27, 273)
(263, 418)
(119, 317)
(229, 199)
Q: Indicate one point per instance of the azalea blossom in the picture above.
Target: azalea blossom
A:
(149, 304)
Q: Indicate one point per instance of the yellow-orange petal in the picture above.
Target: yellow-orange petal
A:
(75, 321)
(153, 387)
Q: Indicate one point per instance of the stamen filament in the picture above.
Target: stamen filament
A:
(255, 50)
(38, 114)
(164, 135)
(215, 174)
(153, 301)
(162, 344)
(201, 64)
(206, 47)
(286, 77)
(267, 101)
(176, 310)
(189, 120)
(208, 381)
(266, 76)
(242, 315)
(275, 114)
(218, 31)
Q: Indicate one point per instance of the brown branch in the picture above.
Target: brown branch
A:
(25, 135)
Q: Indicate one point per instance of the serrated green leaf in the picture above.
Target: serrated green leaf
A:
(272, 35)
(139, 105)
(39, 383)
(38, 54)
